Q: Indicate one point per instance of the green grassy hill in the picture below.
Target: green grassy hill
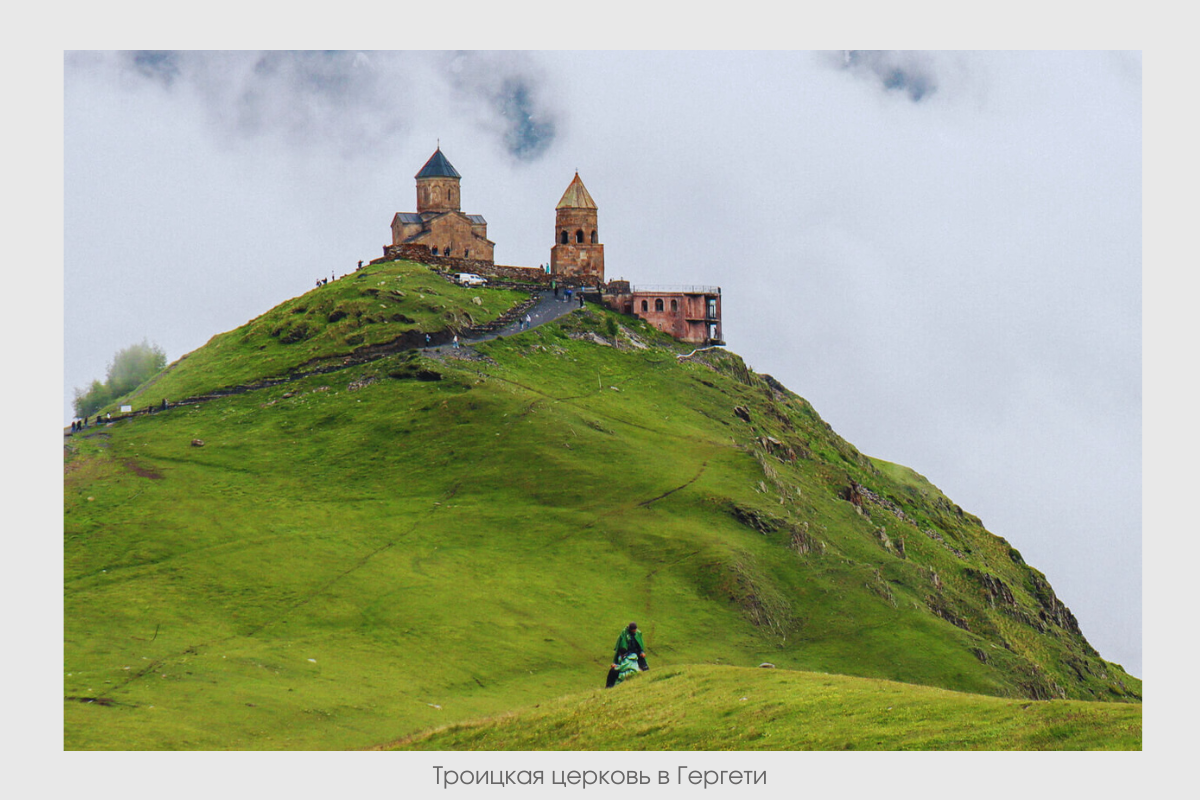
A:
(743, 708)
(403, 542)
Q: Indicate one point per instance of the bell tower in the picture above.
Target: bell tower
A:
(577, 252)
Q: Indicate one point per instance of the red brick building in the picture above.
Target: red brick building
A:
(689, 313)
(439, 223)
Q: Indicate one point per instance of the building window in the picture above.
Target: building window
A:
(658, 304)
(674, 305)
(645, 307)
(466, 253)
(579, 237)
(595, 238)
(563, 238)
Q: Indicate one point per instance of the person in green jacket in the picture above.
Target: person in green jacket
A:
(630, 641)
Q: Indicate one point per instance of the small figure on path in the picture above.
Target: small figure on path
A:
(456, 341)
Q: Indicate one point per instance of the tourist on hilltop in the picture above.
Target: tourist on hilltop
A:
(628, 643)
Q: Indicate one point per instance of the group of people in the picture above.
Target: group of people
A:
(568, 292)
(80, 424)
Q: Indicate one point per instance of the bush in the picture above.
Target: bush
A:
(130, 368)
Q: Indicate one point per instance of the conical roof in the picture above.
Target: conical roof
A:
(438, 167)
(576, 196)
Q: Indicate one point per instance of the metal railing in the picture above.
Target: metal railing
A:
(676, 289)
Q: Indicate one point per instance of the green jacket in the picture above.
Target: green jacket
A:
(627, 666)
(628, 643)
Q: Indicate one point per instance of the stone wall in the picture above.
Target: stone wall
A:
(529, 275)
(420, 253)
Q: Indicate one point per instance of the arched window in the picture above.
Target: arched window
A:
(595, 238)
(644, 306)
(674, 305)
(466, 253)
(579, 237)
(563, 238)
(658, 304)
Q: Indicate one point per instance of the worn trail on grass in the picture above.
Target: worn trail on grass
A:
(284, 614)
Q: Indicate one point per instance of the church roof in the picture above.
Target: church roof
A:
(576, 196)
(438, 167)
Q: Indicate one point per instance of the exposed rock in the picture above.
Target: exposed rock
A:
(755, 519)
(197, 443)
(852, 494)
(778, 449)
(766, 665)
(941, 608)
(803, 542)
(741, 412)
(997, 591)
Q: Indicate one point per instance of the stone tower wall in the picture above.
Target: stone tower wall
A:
(583, 260)
(438, 194)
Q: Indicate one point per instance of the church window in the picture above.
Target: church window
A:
(466, 253)
(563, 238)
(595, 239)
(579, 237)
(645, 307)
(674, 305)
(658, 304)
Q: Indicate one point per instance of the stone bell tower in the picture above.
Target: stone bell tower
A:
(577, 252)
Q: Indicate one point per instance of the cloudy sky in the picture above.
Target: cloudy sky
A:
(941, 251)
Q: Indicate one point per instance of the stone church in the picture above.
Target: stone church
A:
(459, 241)
(439, 222)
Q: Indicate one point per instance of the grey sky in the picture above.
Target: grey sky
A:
(941, 251)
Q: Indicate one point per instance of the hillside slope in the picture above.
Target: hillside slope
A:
(744, 708)
(392, 541)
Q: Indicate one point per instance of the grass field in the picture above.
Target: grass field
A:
(354, 557)
(740, 708)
